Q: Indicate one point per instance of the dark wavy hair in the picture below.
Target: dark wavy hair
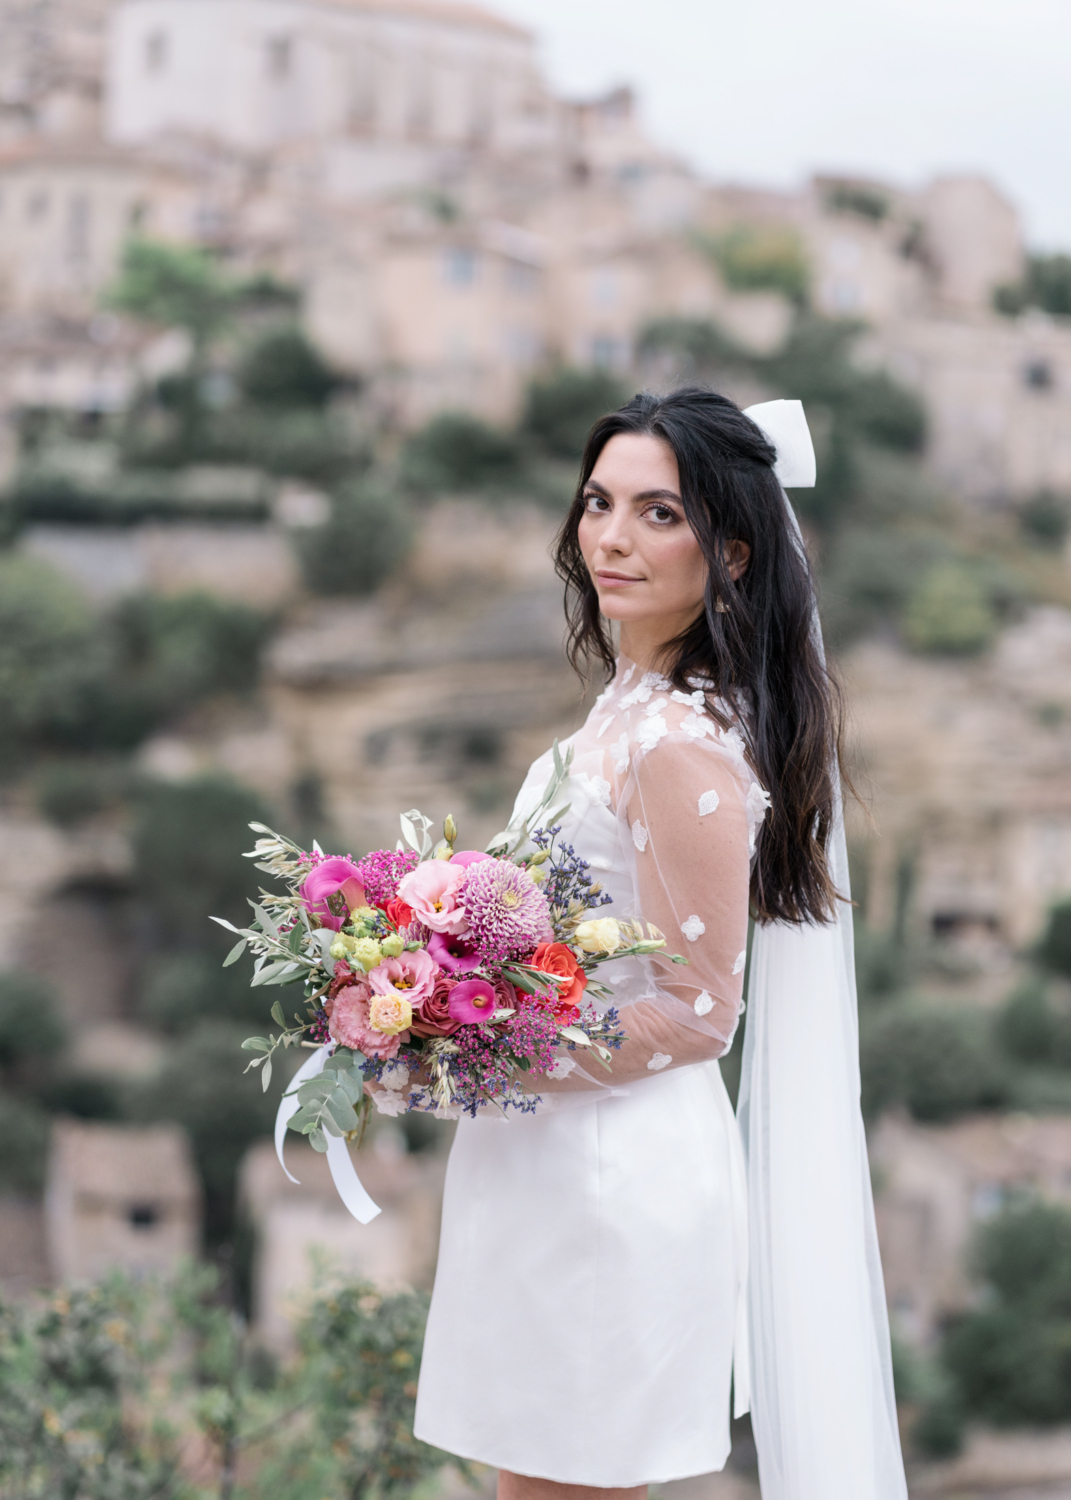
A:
(758, 651)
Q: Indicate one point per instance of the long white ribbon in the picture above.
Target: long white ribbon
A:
(350, 1188)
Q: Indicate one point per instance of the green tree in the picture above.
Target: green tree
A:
(1011, 1357)
(561, 408)
(949, 612)
(283, 370)
(367, 537)
(761, 257)
(456, 451)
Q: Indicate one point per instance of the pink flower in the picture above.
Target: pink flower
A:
(453, 954)
(433, 890)
(467, 857)
(472, 1001)
(351, 1025)
(433, 1018)
(410, 976)
(335, 874)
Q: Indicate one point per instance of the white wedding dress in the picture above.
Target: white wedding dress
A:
(590, 1295)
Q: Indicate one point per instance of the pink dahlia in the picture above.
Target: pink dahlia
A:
(506, 910)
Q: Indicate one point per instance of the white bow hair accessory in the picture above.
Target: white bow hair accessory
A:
(784, 423)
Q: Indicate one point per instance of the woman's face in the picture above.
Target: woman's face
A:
(641, 553)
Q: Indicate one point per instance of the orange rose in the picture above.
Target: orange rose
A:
(558, 961)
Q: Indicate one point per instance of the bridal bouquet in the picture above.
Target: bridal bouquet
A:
(457, 972)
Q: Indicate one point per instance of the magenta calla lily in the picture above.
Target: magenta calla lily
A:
(335, 874)
(472, 1001)
(454, 955)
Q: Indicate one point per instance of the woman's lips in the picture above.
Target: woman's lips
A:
(616, 580)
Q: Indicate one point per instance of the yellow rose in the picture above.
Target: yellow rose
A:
(600, 935)
(367, 953)
(389, 1014)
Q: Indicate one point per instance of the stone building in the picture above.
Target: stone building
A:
(119, 1199)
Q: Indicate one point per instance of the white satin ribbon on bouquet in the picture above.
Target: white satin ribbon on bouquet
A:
(822, 1399)
(350, 1188)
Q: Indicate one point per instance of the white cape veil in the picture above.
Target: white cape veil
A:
(822, 1401)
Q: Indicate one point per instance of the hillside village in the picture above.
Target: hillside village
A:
(305, 306)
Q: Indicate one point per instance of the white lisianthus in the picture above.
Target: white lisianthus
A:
(600, 935)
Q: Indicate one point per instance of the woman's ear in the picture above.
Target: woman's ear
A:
(736, 556)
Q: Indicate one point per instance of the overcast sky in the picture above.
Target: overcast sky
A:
(767, 91)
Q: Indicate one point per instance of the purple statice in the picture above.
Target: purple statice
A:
(485, 1064)
(507, 912)
(380, 872)
(568, 880)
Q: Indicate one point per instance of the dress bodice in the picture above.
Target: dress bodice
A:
(665, 808)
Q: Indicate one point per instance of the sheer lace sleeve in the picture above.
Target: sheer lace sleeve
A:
(688, 809)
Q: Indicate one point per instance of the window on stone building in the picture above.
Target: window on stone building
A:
(156, 52)
(280, 57)
(1038, 375)
(459, 266)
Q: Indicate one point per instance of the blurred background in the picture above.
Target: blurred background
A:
(305, 309)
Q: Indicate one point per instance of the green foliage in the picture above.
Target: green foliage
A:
(456, 451)
(561, 408)
(856, 198)
(285, 371)
(762, 258)
(949, 612)
(188, 840)
(1054, 950)
(367, 537)
(1011, 1358)
(201, 1087)
(1045, 518)
(1032, 1029)
(24, 1130)
(365, 1350)
(173, 285)
(70, 791)
(72, 1418)
(936, 1061)
(29, 1018)
(1047, 285)
(47, 645)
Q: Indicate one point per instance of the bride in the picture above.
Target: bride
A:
(614, 1269)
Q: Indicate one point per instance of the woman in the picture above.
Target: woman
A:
(591, 1302)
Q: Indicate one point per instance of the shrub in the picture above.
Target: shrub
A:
(1045, 518)
(949, 612)
(358, 549)
(762, 257)
(1011, 1358)
(365, 1349)
(188, 840)
(283, 369)
(456, 451)
(24, 1130)
(561, 409)
(30, 1023)
(938, 1062)
(1054, 950)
